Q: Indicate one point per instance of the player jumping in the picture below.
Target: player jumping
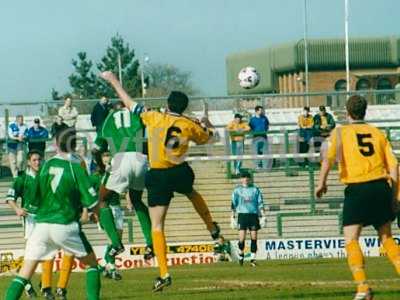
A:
(62, 188)
(169, 135)
(119, 135)
(368, 167)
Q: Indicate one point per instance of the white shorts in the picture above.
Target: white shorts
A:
(128, 170)
(46, 239)
(118, 214)
(29, 225)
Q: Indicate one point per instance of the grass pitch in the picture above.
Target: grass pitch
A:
(280, 280)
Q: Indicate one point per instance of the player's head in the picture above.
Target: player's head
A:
(177, 102)
(106, 158)
(245, 178)
(34, 159)
(118, 105)
(306, 110)
(66, 140)
(356, 107)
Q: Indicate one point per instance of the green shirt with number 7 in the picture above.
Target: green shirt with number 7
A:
(62, 189)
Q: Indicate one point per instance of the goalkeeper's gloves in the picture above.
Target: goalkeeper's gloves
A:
(234, 224)
(263, 219)
(263, 222)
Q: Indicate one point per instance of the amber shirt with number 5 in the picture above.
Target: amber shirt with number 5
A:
(362, 151)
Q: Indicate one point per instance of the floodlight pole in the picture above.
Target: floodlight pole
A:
(145, 60)
(120, 69)
(306, 53)
(346, 29)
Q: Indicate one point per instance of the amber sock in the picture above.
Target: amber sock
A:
(160, 249)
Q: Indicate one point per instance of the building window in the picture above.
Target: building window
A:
(385, 98)
(363, 84)
(340, 85)
(384, 84)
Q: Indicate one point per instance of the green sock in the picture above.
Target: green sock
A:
(109, 259)
(93, 284)
(107, 223)
(142, 213)
(16, 288)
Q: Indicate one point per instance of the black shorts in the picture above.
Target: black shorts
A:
(162, 183)
(248, 221)
(368, 203)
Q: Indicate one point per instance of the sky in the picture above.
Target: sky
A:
(40, 37)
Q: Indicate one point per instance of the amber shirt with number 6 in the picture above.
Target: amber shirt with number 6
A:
(169, 135)
(362, 152)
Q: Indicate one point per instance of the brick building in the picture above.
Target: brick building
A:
(374, 65)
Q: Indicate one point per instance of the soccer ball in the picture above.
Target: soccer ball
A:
(248, 78)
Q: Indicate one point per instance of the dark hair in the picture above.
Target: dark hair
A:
(32, 153)
(258, 107)
(357, 107)
(239, 116)
(66, 139)
(177, 102)
(322, 108)
(307, 108)
(245, 174)
(118, 105)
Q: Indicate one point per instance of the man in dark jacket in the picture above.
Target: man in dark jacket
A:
(100, 112)
(37, 136)
(58, 126)
(324, 123)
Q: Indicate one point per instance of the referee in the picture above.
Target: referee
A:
(248, 206)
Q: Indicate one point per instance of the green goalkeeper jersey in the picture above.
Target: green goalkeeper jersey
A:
(97, 179)
(63, 188)
(24, 187)
(120, 130)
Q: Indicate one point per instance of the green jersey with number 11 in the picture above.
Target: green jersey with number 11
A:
(63, 188)
(120, 130)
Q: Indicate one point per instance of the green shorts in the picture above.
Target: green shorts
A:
(368, 203)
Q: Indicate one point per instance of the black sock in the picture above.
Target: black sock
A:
(253, 246)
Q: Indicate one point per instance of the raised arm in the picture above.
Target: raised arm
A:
(122, 94)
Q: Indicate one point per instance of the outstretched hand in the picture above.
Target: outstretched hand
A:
(108, 76)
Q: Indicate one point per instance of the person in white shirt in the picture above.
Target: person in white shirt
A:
(68, 113)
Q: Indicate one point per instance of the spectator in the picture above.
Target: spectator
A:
(259, 125)
(248, 208)
(86, 157)
(306, 124)
(100, 112)
(15, 145)
(57, 126)
(323, 125)
(69, 113)
(237, 129)
(37, 132)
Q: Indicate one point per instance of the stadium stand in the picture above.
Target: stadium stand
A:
(288, 198)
